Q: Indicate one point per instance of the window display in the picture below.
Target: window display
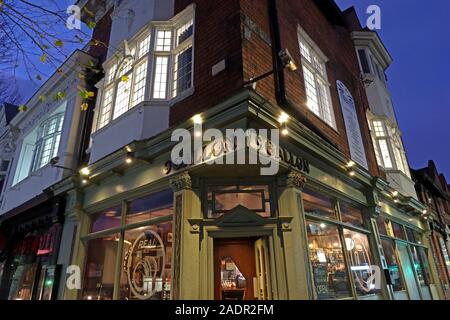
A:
(100, 268)
(361, 262)
(327, 260)
(146, 267)
(138, 250)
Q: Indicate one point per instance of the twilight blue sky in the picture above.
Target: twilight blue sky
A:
(417, 35)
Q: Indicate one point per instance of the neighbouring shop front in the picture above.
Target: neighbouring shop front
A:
(28, 264)
(441, 255)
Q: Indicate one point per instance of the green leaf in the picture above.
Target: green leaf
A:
(87, 94)
(23, 108)
(84, 106)
(42, 98)
(60, 95)
(124, 79)
(43, 58)
(91, 24)
(58, 43)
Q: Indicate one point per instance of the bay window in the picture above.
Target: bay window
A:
(317, 87)
(158, 67)
(388, 147)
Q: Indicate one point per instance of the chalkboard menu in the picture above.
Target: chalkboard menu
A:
(321, 280)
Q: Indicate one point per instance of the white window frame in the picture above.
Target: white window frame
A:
(394, 151)
(316, 65)
(111, 82)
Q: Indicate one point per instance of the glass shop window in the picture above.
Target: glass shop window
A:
(351, 214)
(398, 231)
(146, 266)
(222, 199)
(107, 219)
(393, 266)
(382, 227)
(361, 262)
(319, 205)
(421, 265)
(100, 268)
(330, 274)
(156, 205)
(413, 235)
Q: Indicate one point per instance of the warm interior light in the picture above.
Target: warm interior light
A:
(197, 119)
(85, 171)
(84, 181)
(284, 117)
(128, 149)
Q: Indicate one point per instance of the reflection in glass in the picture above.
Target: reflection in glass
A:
(318, 204)
(222, 199)
(351, 214)
(327, 261)
(147, 256)
(391, 260)
(233, 282)
(107, 219)
(100, 267)
(361, 262)
(153, 206)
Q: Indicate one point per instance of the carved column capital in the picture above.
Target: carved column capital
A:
(181, 181)
(293, 179)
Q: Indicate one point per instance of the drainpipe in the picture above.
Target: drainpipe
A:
(280, 83)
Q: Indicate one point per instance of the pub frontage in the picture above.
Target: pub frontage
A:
(140, 227)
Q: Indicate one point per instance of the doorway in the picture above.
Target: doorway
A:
(241, 269)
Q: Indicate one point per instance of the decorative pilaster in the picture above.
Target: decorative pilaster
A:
(186, 255)
(294, 240)
(293, 179)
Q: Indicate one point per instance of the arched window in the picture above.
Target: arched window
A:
(47, 143)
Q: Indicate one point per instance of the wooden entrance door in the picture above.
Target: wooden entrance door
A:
(234, 269)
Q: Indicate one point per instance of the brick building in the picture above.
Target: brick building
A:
(143, 225)
(433, 192)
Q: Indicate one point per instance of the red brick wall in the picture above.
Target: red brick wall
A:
(336, 44)
(220, 35)
(217, 37)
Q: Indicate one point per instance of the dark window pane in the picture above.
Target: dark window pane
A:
(398, 231)
(147, 258)
(149, 207)
(364, 61)
(394, 268)
(361, 262)
(381, 222)
(100, 268)
(226, 198)
(351, 215)
(318, 204)
(107, 219)
(327, 260)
